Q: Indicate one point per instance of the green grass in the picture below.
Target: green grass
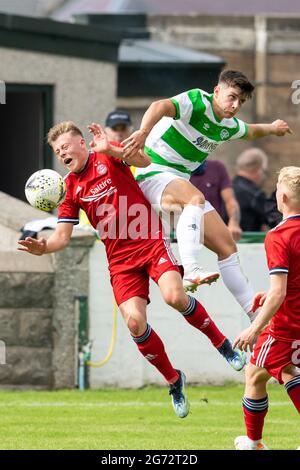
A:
(138, 419)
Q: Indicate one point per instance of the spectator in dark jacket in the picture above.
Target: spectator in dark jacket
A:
(272, 213)
(251, 167)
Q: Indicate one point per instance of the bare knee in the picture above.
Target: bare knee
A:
(289, 373)
(252, 375)
(217, 236)
(256, 380)
(181, 192)
(176, 298)
(227, 248)
(197, 200)
(189, 194)
(135, 322)
(135, 327)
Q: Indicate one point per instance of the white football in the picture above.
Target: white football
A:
(45, 190)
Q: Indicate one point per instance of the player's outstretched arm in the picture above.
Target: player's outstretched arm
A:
(156, 111)
(278, 127)
(139, 160)
(274, 299)
(58, 240)
(101, 144)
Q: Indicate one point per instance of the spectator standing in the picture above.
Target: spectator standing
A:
(274, 217)
(252, 165)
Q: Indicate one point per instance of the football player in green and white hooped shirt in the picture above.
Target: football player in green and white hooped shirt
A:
(178, 134)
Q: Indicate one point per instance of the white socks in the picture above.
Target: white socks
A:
(189, 234)
(235, 280)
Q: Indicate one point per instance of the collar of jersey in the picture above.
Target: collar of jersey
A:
(296, 216)
(210, 98)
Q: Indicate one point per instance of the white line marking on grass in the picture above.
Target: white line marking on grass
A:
(135, 404)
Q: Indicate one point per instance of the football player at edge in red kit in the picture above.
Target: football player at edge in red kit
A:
(274, 336)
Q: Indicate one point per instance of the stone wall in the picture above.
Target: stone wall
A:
(71, 278)
(37, 305)
(26, 312)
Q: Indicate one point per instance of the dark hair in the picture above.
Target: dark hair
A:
(237, 79)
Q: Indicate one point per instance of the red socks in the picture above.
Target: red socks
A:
(152, 348)
(254, 415)
(196, 315)
(293, 389)
(256, 410)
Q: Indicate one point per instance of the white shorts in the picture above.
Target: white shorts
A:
(154, 187)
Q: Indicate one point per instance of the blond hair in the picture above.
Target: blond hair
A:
(62, 128)
(289, 176)
(252, 159)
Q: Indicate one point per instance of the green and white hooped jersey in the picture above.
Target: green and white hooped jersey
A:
(181, 144)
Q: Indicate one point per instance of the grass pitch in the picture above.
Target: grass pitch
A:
(138, 419)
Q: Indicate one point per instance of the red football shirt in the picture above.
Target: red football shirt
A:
(283, 255)
(114, 204)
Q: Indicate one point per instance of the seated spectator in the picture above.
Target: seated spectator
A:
(251, 168)
(214, 181)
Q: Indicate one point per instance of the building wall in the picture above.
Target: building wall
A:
(265, 49)
(84, 90)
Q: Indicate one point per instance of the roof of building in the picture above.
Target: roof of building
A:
(63, 10)
(29, 7)
(151, 68)
(45, 35)
(171, 7)
(151, 52)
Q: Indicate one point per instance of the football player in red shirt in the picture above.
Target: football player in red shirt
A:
(276, 347)
(101, 183)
